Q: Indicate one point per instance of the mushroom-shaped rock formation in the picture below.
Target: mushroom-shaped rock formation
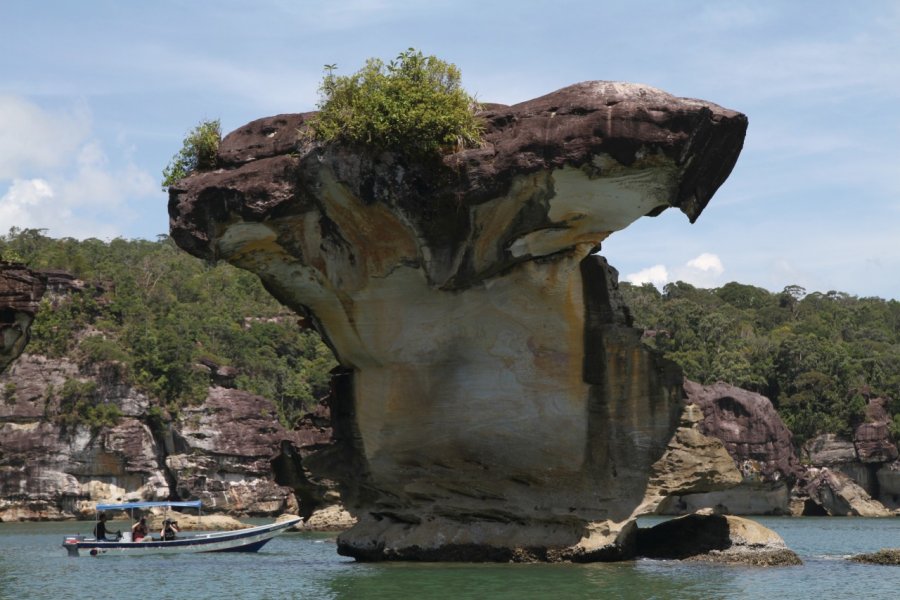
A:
(494, 402)
(20, 292)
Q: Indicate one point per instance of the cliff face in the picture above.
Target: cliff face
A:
(760, 448)
(230, 451)
(870, 463)
(837, 477)
(20, 292)
(494, 398)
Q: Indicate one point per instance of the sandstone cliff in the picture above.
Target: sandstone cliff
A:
(838, 478)
(858, 476)
(230, 451)
(20, 291)
(759, 445)
(494, 401)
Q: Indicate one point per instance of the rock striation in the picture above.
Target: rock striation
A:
(836, 494)
(229, 451)
(872, 438)
(224, 451)
(494, 402)
(694, 465)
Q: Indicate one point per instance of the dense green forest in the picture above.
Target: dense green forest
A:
(161, 313)
(817, 356)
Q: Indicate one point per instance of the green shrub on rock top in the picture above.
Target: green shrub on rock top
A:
(197, 154)
(412, 105)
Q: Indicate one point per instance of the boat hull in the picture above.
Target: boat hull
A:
(242, 540)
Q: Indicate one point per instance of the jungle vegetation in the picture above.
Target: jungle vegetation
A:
(160, 315)
(817, 356)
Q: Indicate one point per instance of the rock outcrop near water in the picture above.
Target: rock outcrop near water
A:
(758, 442)
(839, 478)
(494, 401)
(20, 292)
(861, 476)
(694, 465)
(708, 537)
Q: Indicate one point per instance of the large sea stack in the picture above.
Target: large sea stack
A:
(494, 402)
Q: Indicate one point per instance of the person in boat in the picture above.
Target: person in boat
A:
(169, 529)
(139, 530)
(100, 530)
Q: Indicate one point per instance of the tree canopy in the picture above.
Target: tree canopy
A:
(161, 314)
(412, 105)
(817, 356)
(198, 152)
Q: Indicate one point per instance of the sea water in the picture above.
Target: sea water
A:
(304, 565)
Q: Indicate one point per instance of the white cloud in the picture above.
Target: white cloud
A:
(24, 199)
(703, 271)
(32, 138)
(707, 263)
(657, 275)
(97, 185)
(84, 196)
(33, 204)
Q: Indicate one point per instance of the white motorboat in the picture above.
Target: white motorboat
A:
(241, 540)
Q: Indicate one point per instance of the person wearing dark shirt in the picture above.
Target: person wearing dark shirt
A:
(100, 530)
(169, 529)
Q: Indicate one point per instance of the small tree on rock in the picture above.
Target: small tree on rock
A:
(197, 154)
(412, 105)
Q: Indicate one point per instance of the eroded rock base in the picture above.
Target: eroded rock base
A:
(441, 540)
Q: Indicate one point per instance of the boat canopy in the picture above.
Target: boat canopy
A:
(130, 505)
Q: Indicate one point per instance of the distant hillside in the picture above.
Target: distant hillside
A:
(818, 357)
(172, 322)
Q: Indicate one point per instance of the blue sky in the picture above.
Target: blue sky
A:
(96, 96)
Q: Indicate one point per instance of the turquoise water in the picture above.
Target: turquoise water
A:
(295, 565)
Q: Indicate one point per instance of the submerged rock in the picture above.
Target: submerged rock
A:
(710, 537)
(885, 556)
(494, 401)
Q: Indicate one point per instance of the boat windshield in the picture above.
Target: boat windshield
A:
(133, 505)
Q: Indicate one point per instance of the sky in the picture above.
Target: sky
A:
(96, 97)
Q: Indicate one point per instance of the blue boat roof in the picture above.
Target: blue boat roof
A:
(128, 505)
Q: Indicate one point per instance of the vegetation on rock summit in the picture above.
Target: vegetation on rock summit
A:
(412, 105)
